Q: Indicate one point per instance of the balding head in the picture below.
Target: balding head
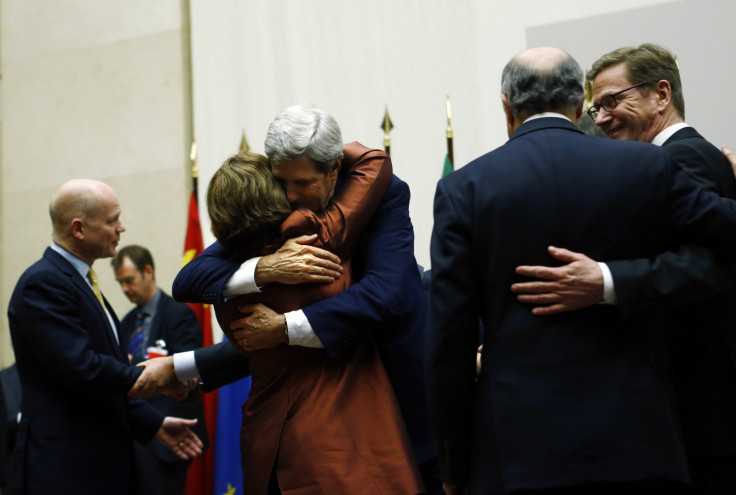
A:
(540, 80)
(85, 218)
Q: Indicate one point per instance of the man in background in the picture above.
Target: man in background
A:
(158, 326)
(637, 95)
(77, 424)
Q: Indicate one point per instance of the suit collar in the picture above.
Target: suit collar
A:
(544, 123)
(684, 133)
(667, 133)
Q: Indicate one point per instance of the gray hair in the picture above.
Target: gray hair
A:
(532, 88)
(300, 131)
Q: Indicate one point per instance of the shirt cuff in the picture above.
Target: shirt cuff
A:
(609, 292)
(185, 366)
(243, 281)
(300, 331)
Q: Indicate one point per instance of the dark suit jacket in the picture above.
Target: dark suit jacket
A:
(387, 301)
(176, 324)
(701, 324)
(77, 427)
(580, 397)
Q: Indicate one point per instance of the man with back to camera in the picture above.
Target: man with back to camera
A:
(166, 326)
(578, 403)
(77, 425)
(304, 144)
(638, 96)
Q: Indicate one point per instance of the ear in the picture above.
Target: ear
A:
(510, 120)
(663, 91)
(579, 112)
(336, 168)
(77, 228)
(148, 270)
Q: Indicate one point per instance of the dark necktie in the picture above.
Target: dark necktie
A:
(135, 347)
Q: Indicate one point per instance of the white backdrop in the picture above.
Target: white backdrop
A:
(251, 59)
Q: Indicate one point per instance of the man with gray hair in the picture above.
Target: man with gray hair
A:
(637, 95)
(304, 146)
(578, 403)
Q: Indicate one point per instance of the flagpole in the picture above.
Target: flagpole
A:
(195, 170)
(449, 133)
(387, 125)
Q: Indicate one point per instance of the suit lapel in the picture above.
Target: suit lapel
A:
(65, 267)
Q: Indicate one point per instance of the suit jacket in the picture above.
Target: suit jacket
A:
(701, 321)
(77, 426)
(579, 397)
(387, 301)
(176, 324)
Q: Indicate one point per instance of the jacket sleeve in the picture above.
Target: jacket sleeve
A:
(689, 272)
(48, 311)
(220, 364)
(384, 293)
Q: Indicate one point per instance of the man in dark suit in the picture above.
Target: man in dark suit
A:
(578, 403)
(77, 424)
(638, 95)
(387, 301)
(158, 326)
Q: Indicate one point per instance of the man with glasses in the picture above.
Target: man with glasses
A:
(637, 95)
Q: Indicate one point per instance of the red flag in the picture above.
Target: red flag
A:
(201, 475)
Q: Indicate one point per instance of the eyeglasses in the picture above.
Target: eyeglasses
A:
(609, 102)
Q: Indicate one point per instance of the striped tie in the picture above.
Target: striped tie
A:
(96, 287)
(135, 347)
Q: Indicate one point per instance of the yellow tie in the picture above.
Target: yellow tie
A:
(96, 287)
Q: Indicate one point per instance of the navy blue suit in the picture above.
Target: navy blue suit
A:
(77, 427)
(702, 336)
(387, 301)
(176, 324)
(576, 398)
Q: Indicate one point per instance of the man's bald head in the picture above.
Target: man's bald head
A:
(77, 198)
(540, 80)
(85, 215)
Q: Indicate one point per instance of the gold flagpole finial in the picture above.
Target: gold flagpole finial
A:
(449, 117)
(193, 158)
(588, 94)
(244, 143)
(387, 125)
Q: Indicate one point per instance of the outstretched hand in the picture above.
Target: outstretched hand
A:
(576, 285)
(298, 262)
(158, 378)
(176, 435)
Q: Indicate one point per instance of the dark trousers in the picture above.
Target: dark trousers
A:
(157, 477)
(712, 476)
(631, 488)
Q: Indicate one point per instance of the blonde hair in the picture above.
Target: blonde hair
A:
(245, 203)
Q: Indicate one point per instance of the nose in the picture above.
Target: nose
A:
(291, 194)
(603, 116)
(121, 228)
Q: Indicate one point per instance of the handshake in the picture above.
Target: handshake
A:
(158, 378)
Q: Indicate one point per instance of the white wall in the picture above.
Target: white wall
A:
(100, 90)
(251, 59)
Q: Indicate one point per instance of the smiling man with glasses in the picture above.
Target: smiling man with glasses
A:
(637, 95)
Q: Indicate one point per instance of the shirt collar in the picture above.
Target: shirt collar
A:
(663, 136)
(80, 265)
(150, 307)
(547, 114)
